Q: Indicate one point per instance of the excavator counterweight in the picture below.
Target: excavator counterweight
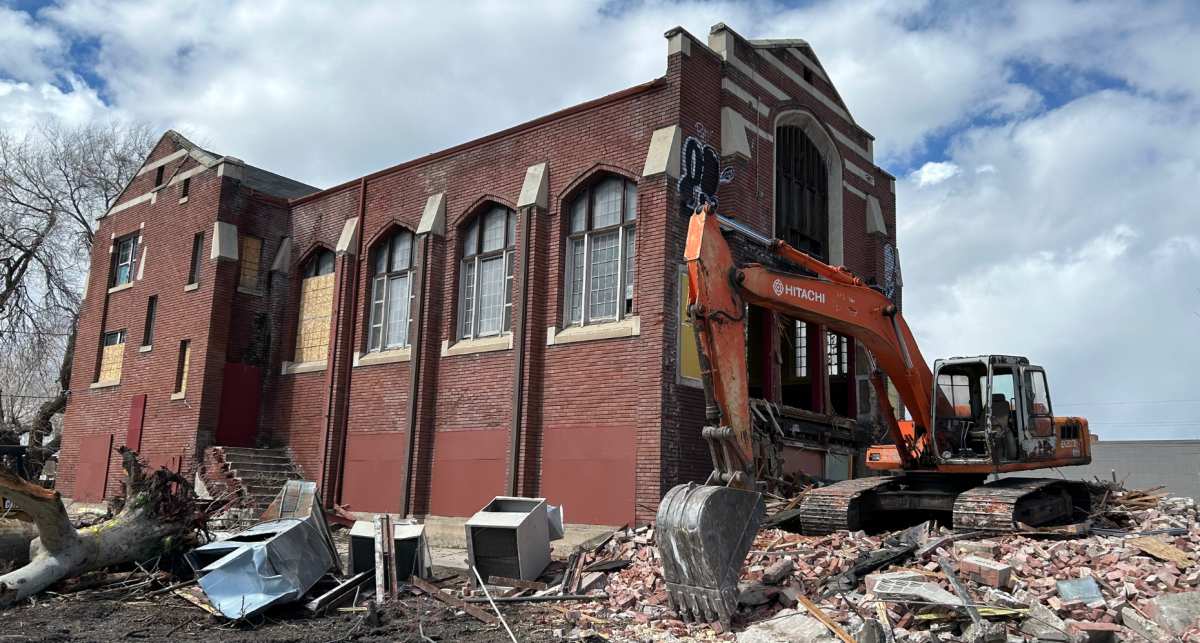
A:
(971, 417)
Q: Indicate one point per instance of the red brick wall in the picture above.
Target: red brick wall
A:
(624, 389)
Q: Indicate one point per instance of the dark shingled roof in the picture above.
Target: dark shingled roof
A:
(274, 184)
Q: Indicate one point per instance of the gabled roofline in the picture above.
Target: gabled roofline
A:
(624, 94)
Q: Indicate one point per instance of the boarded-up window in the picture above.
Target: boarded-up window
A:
(181, 370)
(251, 257)
(110, 359)
(689, 356)
(316, 308)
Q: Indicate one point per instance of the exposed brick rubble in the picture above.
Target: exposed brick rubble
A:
(1016, 576)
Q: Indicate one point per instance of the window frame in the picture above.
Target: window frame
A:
(197, 255)
(470, 319)
(134, 240)
(151, 317)
(383, 255)
(626, 274)
(800, 173)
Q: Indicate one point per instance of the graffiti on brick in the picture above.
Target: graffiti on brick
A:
(700, 173)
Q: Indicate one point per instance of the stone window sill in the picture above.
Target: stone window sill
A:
(295, 368)
(124, 286)
(249, 291)
(628, 327)
(191, 287)
(106, 384)
(183, 200)
(178, 396)
(481, 345)
(383, 357)
(145, 349)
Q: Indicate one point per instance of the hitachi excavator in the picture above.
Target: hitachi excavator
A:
(972, 416)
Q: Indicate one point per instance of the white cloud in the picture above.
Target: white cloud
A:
(1060, 225)
(933, 173)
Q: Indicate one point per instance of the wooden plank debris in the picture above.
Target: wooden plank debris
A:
(820, 616)
(454, 601)
(339, 594)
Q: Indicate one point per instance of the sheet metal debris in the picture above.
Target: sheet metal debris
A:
(273, 562)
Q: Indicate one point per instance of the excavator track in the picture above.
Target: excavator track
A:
(1002, 504)
(828, 509)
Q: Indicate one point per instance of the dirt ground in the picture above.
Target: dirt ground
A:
(60, 620)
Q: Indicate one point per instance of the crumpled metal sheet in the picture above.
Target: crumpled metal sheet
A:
(270, 563)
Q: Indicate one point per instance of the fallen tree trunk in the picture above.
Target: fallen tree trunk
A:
(15, 536)
(155, 508)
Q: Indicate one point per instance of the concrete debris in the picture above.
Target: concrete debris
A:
(1032, 585)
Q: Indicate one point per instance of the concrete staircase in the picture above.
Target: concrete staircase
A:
(261, 473)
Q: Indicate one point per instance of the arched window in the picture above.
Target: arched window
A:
(391, 295)
(801, 193)
(316, 307)
(485, 287)
(600, 253)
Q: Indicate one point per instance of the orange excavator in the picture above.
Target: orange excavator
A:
(972, 416)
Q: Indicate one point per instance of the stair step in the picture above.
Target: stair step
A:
(247, 451)
(258, 459)
(255, 468)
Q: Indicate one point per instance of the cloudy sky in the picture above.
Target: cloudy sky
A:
(1048, 152)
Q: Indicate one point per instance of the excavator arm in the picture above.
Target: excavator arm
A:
(718, 292)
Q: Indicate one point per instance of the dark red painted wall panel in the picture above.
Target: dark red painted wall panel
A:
(374, 472)
(468, 470)
(238, 422)
(93, 468)
(591, 471)
(810, 461)
(137, 412)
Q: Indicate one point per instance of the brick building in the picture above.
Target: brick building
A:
(501, 317)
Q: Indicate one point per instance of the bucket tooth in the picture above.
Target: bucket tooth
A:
(704, 534)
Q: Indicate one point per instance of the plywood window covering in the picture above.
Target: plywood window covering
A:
(181, 369)
(486, 275)
(111, 356)
(801, 193)
(600, 253)
(316, 308)
(251, 258)
(392, 292)
(126, 260)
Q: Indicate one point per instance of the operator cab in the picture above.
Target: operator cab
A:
(986, 407)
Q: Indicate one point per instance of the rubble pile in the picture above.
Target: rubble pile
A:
(1074, 584)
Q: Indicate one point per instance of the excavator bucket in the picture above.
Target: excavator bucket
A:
(704, 534)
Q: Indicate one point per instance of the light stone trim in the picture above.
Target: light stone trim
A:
(808, 62)
(733, 134)
(231, 170)
(628, 327)
(828, 148)
(679, 42)
(225, 241)
(746, 96)
(105, 384)
(296, 368)
(875, 224)
(383, 357)
(854, 169)
(283, 257)
(853, 146)
(799, 80)
(191, 287)
(481, 345)
(141, 264)
(664, 153)
(178, 396)
(178, 154)
(433, 219)
(125, 286)
(348, 243)
(145, 349)
(855, 191)
(536, 188)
